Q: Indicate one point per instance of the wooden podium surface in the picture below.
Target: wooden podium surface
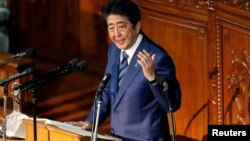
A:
(42, 132)
(56, 134)
(47, 132)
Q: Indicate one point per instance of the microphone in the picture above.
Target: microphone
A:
(73, 65)
(163, 82)
(103, 84)
(18, 75)
(82, 65)
(28, 53)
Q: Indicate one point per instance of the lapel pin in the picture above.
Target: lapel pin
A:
(136, 64)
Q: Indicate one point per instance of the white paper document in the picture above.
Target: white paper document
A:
(14, 125)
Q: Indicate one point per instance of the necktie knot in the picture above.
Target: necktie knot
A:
(124, 56)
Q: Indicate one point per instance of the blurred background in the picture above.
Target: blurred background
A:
(209, 41)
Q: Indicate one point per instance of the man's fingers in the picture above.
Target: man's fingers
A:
(83, 124)
(153, 57)
(71, 122)
(146, 53)
(86, 125)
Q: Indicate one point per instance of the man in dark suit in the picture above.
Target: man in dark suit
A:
(134, 98)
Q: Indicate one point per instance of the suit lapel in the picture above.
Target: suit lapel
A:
(114, 60)
(131, 73)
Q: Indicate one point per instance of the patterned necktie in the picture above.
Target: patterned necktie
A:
(123, 67)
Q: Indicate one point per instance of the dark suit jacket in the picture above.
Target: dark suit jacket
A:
(138, 110)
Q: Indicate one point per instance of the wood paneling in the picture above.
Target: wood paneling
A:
(60, 31)
(233, 30)
(236, 73)
(184, 38)
(209, 43)
(207, 39)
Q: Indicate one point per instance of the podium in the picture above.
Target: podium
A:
(42, 131)
(57, 134)
(57, 131)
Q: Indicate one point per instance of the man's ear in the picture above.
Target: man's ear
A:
(138, 27)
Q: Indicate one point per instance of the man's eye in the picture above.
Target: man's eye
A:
(121, 27)
(111, 28)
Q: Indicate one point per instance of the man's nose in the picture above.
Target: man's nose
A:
(117, 32)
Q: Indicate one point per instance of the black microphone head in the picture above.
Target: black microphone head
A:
(163, 81)
(30, 52)
(106, 76)
(30, 70)
(74, 61)
(15, 76)
(82, 65)
(104, 82)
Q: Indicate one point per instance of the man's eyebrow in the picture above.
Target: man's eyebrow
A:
(110, 24)
(120, 22)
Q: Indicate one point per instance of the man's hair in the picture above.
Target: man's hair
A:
(125, 8)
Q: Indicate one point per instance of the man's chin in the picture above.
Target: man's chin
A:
(122, 47)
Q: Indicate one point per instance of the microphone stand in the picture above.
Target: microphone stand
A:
(34, 113)
(99, 103)
(36, 83)
(165, 90)
(5, 110)
(34, 99)
(5, 96)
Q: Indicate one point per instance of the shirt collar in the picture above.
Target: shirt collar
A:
(131, 50)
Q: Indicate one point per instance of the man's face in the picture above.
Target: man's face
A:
(121, 31)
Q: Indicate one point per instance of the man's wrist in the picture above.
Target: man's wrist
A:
(154, 81)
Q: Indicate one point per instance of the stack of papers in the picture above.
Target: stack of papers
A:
(14, 125)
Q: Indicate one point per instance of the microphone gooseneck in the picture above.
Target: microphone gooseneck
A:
(18, 75)
(99, 91)
(103, 84)
(73, 65)
(16, 57)
(30, 52)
